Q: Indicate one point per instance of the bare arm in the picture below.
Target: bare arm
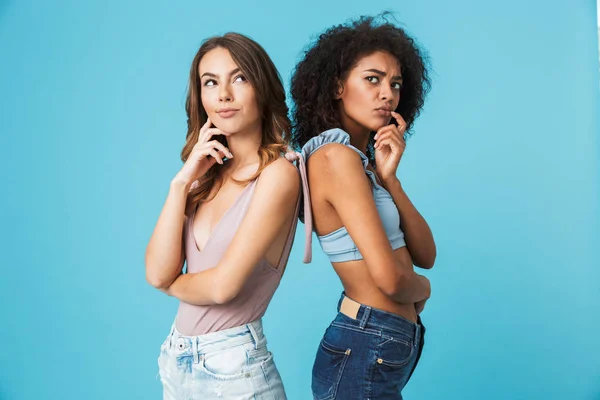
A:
(164, 254)
(349, 192)
(272, 206)
(418, 236)
(389, 148)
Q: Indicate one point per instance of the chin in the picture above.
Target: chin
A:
(373, 123)
(230, 127)
(374, 127)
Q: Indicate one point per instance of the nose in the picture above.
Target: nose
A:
(385, 92)
(225, 94)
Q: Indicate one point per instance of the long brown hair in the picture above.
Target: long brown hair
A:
(259, 70)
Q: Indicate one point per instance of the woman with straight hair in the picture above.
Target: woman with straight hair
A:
(230, 215)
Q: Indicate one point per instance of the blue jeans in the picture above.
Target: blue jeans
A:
(370, 357)
(229, 364)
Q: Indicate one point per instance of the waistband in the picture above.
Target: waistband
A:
(216, 341)
(364, 317)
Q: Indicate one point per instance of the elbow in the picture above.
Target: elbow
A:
(223, 293)
(151, 276)
(398, 284)
(388, 289)
(224, 286)
(391, 286)
(427, 264)
(157, 281)
(160, 273)
(430, 261)
(403, 283)
(427, 261)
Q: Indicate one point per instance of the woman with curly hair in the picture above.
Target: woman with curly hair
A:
(230, 215)
(357, 92)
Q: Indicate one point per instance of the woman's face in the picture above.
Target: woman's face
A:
(369, 93)
(228, 98)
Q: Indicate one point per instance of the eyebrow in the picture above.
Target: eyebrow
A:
(381, 73)
(215, 76)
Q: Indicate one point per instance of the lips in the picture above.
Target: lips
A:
(384, 111)
(227, 112)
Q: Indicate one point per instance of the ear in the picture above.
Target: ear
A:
(339, 90)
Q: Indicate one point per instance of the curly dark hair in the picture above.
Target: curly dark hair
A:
(331, 57)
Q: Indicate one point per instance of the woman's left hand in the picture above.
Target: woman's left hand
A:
(389, 148)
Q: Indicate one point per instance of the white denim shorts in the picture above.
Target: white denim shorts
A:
(232, 364)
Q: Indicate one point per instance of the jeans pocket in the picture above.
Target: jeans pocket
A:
(394, 352)
(327, 370)
(226, 364)
(392, 367)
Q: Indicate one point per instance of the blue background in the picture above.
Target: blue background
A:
(504, 165)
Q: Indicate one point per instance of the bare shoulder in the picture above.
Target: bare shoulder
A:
(280, 176)
(336, 159)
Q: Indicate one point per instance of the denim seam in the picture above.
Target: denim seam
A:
(229, 344)
(382, 329)
(221, 377)
(396, 365)
(218, 377)
(338, 379)
(331, 348)
(188, 353)
(409, 342)
(386, 328)
(369, 331)
(371, 378)
(265, 374)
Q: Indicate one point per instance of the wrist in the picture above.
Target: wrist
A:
(391, 182)
(179, 184)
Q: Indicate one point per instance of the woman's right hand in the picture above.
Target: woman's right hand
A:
(204, 155)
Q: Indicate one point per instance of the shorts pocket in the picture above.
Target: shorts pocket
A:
(260, 356)
(225, 364)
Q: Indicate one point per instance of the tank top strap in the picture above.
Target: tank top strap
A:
(305, 196)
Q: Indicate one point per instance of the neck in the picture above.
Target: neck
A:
(244, 146)
(359, 135)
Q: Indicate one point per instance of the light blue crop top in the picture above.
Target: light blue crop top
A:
(338, 245)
